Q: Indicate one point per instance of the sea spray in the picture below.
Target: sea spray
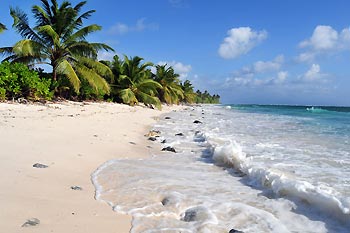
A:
(230, 154)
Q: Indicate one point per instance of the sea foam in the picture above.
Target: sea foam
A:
(244, 171)
(230, 154)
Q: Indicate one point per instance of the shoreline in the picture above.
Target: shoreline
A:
(73, 139)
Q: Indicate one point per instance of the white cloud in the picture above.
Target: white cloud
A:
(281, 77)
(324, 40)
(261, 73)
(251, 81)
(106, 56)
(314, 74)
(266, 66)
(306, 57)
(141, 25)
(179, 68)
(240, 41)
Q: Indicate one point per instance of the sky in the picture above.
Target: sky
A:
(247, 51)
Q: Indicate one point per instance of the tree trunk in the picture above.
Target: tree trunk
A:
(54, 78)
(54, 74)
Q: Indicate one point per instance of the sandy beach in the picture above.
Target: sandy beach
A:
(72, 139)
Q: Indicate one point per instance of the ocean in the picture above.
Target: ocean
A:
(251, 168)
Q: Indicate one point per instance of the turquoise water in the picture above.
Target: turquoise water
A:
(328, 119)
(247, 167)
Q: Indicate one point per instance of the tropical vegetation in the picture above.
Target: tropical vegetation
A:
(2, 27)
(171, 91)
(58, 39)
(18, 81)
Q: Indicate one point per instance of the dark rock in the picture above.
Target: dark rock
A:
(77, 188)
(95, 135)
(152, 139)
(235, 231)
(39, 165)
(197, 122)
(31, 222)
(190, 215)
(132, 143)
(169, 148)
(198, 213)
(165, 201)
(179, 134)
(164, 141)
(167, 118)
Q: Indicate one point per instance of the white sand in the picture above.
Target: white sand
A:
(73, 139)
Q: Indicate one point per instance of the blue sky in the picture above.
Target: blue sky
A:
(264, 52)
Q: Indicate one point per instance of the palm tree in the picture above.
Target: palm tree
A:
(2, 27)
(134, 83)
(171, 91)
(189, 95)
(58, 39)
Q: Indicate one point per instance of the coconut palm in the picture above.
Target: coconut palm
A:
(171, 91)
(2, 27)
(58, 39)
(189, 95)
(134, 83)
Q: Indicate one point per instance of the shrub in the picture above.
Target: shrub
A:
(19, 81)
(87, 92)
(2, 94)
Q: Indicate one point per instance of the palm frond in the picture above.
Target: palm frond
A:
(97, 66)
(93, 78)
(149, 99)
(65, 68)
(101, 46)
(42, 17)
(79, 6)
(149, 85)
(6, 51)
(27, 47)
(21, 24)
(81, 49)
(2, 27)
(82, 33)
(128, 96)
(47, 8)
(48, 30)
(86, 15)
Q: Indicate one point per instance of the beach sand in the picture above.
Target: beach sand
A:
(72, 139)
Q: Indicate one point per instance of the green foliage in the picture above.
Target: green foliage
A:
(2, 94)
(58, 39)
(171, 91)
(2, 27)
(206, 98)
(189, 95)
(132, 82)
(87, 92)
(17, 80)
